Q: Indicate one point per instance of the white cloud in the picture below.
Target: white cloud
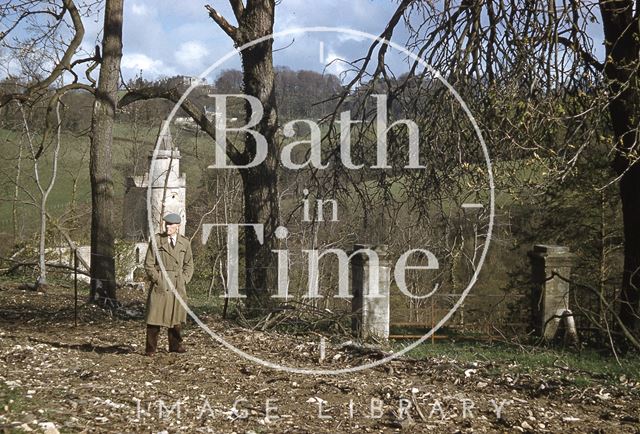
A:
(180, 38)
(336, 64)
(191, 53)
(346, 37)
(140, 10)
(138, 61)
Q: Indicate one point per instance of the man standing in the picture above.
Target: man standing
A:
(163, 307)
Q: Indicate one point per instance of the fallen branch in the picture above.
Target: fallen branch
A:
(18, 264)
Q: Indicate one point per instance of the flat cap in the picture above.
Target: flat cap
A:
(172, 218)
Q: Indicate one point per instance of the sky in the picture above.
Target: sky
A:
(168, 37)
(165, 37)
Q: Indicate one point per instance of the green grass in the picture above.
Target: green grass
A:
(12, 402)
(14, 405)
(10, 397)
(73, 162)
(585, 365)
(203, 305)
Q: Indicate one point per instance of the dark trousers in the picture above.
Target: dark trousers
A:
(173, 333)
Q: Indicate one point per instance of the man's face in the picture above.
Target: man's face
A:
(172, 228)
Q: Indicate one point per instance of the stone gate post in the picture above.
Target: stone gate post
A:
(551, 270)
(370, 303)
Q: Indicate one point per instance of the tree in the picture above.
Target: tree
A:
(44, 87)
(260, 183)
(46, 84)
(103, 277)
(621, 27)
(43, 189)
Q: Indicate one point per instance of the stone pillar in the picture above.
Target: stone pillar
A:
(550, 291)
(165, 173)
(370, 285)
(168, 192)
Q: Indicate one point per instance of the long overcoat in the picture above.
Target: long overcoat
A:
(163, 308)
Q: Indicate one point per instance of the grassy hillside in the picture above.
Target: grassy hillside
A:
(131, 148)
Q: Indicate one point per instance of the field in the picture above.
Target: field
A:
(130, 152)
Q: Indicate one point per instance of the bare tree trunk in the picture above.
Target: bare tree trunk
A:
(103, 281)
(14, 208)
(260, 183)
(629, 296)
(44, 192)
(260, 198)
(621, 70)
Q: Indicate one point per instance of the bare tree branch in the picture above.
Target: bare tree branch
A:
(192, 110)
(223, 23)
(238, 8)
(585, 55)
(64, 64)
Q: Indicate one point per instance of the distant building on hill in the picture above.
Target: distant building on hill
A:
(181, 81)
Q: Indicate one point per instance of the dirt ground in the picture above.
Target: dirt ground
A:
(55, 377)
